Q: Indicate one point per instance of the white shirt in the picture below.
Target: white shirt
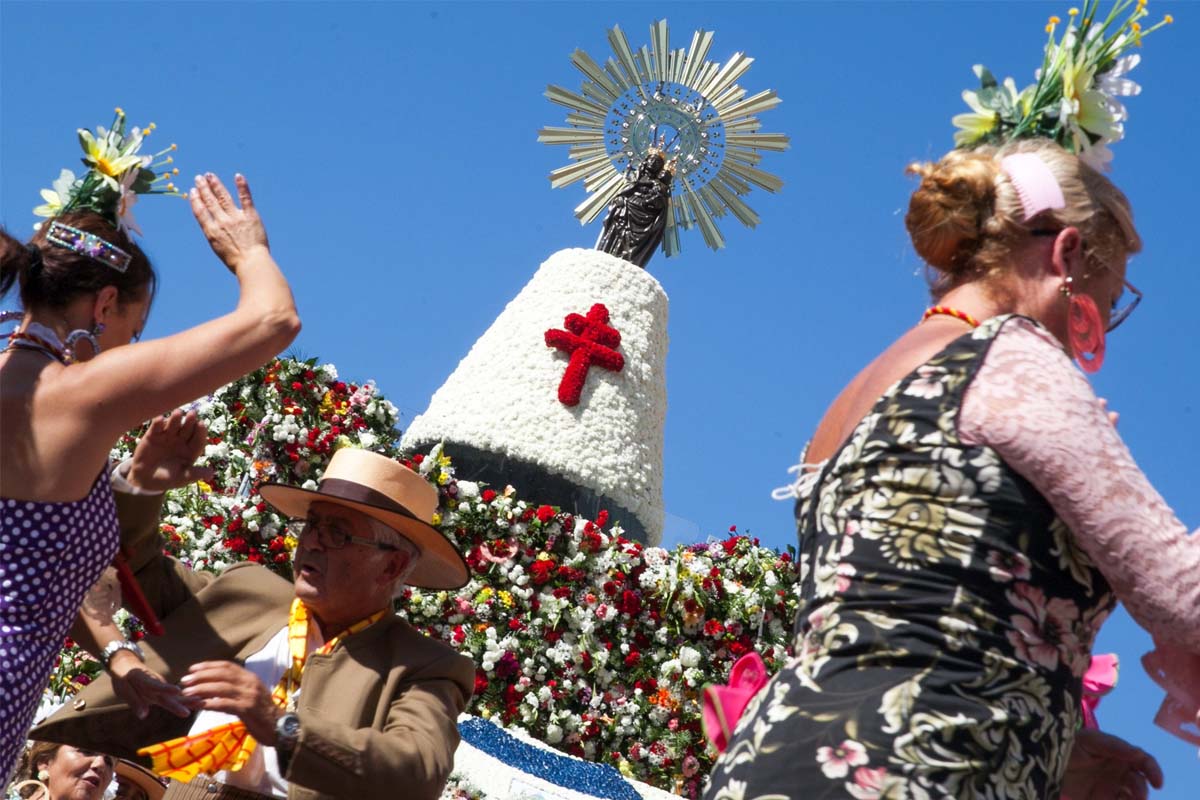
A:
(261, 772)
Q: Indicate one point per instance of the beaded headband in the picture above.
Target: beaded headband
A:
(88, 244)
(1074, 100)
(1036, 185)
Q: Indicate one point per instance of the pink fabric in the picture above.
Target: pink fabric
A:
(1099, 680)
(1041, 416)
(1178, 672)
(1036, 185)
(723, 705)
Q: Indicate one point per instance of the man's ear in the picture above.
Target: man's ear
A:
(397, 564)
(1067, 253)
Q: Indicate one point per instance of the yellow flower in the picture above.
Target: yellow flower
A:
(1168, 19)
(290, 542)
(110, 155)
(204, 487)
(437, 519)
(443, 478)
(1072, 12)
(505, 598)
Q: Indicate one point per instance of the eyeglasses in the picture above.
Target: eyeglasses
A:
(331, 534)
(1129, 298)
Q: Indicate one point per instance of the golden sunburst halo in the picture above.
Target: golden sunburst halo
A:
(695, 106)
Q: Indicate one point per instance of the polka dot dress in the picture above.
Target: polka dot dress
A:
(50, 555)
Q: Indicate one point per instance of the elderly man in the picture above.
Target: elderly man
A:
(306, 690)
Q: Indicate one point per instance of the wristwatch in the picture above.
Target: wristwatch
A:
(287, 732)
(120, 644)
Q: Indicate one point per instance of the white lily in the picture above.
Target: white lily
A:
(973, 126)
(57, 196)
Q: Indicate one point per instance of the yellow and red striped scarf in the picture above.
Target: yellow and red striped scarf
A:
(228, 746)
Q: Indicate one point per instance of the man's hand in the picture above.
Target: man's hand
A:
(165, 454)
(1103, 767)
(225, 686)
(140, 687)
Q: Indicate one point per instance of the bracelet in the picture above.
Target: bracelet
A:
(121, 644)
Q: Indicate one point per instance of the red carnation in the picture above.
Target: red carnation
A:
(633, 658)
(542, 571)
(488, 495)
(545, 513)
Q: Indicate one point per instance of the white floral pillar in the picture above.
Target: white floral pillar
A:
(501, 416)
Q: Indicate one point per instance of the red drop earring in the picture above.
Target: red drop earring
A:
(1085, 329)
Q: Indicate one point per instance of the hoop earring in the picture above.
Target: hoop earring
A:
(89, 335)
(1085, 329)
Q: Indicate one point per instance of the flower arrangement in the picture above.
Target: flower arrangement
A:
(116, 174)
(588, 641)
(1074, 100)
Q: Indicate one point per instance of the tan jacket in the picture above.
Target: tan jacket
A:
(378, 715)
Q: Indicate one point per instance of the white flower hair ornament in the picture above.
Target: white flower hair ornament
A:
(1074, 101)
(117, 172)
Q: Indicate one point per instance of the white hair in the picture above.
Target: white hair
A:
(385, 534)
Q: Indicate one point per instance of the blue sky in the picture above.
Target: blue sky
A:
(392, 150)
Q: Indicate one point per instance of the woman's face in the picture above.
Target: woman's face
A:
(1105, 282)
(78, 774)
(125, 323)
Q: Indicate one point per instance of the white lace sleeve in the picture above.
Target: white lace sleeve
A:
(1032, 406)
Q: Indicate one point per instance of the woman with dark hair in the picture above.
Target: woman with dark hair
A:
(61, 772)
(71, 383)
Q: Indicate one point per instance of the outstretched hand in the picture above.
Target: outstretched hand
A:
(233, 233)
(165, 455)
(140, 687)
(1104, 767)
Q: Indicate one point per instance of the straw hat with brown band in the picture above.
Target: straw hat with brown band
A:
(389, 492)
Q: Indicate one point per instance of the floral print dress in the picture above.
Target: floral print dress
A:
(948, 619)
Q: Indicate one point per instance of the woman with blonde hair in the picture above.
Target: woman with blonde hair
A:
(71, 383)
(972, 516)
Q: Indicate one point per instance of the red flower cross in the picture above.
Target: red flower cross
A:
(588, 340)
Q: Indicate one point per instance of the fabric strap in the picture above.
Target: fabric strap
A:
(229, 746)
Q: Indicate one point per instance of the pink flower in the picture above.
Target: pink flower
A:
(1004, 567)
(869, 784)
(836, 761)
(1046, 630)
(690, 766)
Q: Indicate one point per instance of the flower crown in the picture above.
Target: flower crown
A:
(117, 174)
(1074, 101)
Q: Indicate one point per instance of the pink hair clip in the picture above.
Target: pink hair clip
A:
(1035, 184)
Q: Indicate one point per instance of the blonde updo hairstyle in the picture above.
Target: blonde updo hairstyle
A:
(965, 219)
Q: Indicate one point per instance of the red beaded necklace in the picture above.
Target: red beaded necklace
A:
(35, 342)
(950, 312)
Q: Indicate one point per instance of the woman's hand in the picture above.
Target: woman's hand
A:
(235, 234)
(1104, 767)
(140, 687)
(165, 455)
